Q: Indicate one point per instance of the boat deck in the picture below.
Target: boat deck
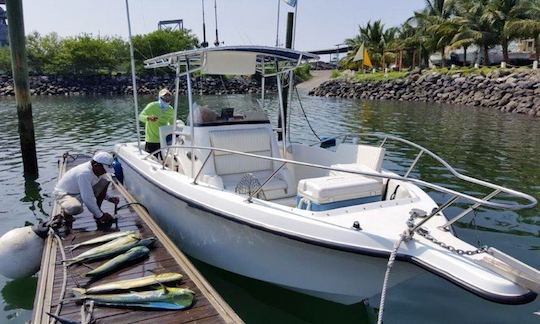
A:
(208, 306)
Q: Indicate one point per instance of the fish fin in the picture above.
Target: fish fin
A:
(165, 290)
(69, 262)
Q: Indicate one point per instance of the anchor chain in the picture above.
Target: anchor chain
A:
(425, 233)
(418, 213)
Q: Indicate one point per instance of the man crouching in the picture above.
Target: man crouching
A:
(87, 183)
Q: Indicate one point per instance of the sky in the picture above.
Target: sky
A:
(321, 24)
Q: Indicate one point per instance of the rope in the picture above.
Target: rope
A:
(64, 272)
(403, 237)
(305, 116)
(130, 204)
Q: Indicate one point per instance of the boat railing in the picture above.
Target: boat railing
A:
(422, 150)
(485, 201)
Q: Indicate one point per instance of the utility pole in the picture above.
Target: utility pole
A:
(19, 66)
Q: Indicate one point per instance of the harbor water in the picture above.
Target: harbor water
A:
(498, 147)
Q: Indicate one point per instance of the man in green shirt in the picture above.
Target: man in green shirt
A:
(154, 115)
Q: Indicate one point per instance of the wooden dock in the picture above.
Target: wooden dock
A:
(208, 306)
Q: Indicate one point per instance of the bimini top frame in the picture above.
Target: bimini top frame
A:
(232, 60)
(269, 61)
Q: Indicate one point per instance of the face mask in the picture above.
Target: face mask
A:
(163, 104)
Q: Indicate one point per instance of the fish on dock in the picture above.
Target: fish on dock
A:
(158, 279)
(133, 254)
(103, 239)
(63, 320)
(163, 298)
(113, 248)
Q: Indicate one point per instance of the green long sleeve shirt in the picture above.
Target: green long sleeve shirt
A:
(165, 117)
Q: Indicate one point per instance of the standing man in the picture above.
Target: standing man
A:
(154, 115)
(86, 183)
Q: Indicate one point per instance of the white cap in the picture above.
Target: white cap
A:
(164, 92)
(104, 159)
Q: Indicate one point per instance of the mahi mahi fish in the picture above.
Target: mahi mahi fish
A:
(113, 248)
(103, 239)
(119, 261)
(161, 278)
(162, 298)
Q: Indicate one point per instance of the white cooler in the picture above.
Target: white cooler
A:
(336, 191)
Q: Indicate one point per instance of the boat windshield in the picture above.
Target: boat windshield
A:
(208, 113)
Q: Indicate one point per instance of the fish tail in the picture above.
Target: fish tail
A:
(78, 292)
(73, 247)
(62, 320)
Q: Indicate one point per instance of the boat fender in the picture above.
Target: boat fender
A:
(118, 171)
(21, 249)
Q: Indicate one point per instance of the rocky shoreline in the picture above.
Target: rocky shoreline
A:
(504, 90)
(120, 85)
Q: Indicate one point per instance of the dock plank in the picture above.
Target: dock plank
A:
(208, 306)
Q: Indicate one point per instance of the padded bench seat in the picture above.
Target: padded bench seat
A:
(337, 191)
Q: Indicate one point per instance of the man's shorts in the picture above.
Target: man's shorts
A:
(73, 205)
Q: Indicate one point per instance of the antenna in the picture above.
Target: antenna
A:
(204, 43)
(216, 43)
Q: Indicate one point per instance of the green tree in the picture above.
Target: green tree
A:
(474, 27)
(5, 60)
(41, 51)
(162, 42)
(499, 13)
(375, 38)
(432, 25)
(84, 55)
(528, 25)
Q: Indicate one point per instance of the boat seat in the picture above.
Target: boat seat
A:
(232, 168)
(337, 191)
(365, 155)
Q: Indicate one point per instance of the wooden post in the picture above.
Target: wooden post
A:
(22, 88)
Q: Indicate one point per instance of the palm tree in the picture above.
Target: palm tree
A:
(528, 25)
(474, 27)
(432, 25)
(499, 13)
(374, 37)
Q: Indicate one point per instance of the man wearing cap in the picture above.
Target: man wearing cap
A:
(154, 115)
(86, 183)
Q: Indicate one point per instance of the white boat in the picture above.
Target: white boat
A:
(322, 221)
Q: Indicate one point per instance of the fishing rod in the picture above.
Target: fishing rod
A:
(216, 43)
(204, 43)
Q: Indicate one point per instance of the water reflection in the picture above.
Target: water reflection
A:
(33, 198)
(498, 147)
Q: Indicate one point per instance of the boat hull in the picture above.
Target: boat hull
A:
(332, 274)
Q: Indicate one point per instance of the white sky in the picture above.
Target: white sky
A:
(321, 23)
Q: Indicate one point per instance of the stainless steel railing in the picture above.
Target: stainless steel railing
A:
(422, 150)
(477, 201)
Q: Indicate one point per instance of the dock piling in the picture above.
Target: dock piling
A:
(19, 66)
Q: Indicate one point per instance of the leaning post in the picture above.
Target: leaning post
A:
(19, 67)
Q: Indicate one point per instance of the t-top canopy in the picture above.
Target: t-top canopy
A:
(235, 60)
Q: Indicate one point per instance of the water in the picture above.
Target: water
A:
(499, 147)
